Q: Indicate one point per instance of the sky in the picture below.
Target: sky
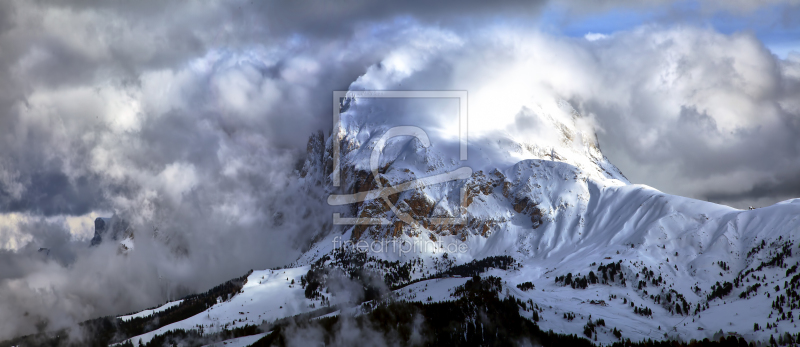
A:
(773, 24)
(190, 119)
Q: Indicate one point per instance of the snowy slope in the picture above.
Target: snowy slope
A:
(267, 296)
(239, 342)
(146, 313)
(677, 226)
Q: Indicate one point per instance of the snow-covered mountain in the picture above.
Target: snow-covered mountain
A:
(584, 243)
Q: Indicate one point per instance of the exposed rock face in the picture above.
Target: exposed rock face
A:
(478, 199)
(316, 164)
(99, 230)
(528, 207)
(113, 228)
(480, 184)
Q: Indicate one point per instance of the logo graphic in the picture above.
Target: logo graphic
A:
(382, 192)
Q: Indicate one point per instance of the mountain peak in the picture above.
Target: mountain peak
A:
(522, 163)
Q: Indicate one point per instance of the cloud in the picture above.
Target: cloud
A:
(763, 192)
(189, 122)
(715, 110)
(351, 330)
(197, 149)
(689, 110)
(195, 145)
(51, 193)
(595, 36)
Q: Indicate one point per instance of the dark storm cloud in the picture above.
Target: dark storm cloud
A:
(53, 193)
(326, 18)
(780, 188)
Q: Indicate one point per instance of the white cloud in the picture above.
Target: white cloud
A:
(11, 237)
(595, 36)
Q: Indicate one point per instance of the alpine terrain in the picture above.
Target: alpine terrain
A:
(544, 241)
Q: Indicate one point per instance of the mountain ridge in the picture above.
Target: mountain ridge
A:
(553, 223)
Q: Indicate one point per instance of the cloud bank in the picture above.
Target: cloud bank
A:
(190, 121)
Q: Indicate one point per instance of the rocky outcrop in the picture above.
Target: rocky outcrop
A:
(478, 184)
(529, 207)
(113, 228)
(418, 202)
(99, 230)
(318, 163)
